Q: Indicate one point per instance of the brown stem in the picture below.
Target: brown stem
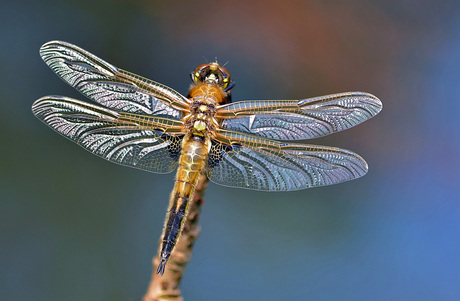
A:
(166, 287)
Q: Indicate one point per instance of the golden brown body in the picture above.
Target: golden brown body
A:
(143, 124)
(200, 125)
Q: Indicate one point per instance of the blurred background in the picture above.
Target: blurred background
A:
(76, 227)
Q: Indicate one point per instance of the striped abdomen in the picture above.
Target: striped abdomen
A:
(199, 125)
(192, 161)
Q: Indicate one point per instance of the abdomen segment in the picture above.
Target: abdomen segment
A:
(195, 150)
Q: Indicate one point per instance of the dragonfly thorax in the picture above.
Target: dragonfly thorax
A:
(244, 144)
(201, 120)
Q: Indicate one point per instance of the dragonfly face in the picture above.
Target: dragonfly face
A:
(212, 73)
(143, 124)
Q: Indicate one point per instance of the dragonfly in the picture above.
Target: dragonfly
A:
(140, 123)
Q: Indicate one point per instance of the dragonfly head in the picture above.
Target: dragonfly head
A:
(213, 73)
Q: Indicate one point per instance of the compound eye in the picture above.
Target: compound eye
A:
(212, 72)
(196, 76)
(200, 73)
(225, 76)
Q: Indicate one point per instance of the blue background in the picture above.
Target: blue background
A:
(76, 227)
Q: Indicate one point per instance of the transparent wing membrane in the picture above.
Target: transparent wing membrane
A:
(256, 163)
(110, 86)
(140, 124)
(299, 119)
(123, 138)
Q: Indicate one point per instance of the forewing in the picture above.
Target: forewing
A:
(299, 119)
(262, 164)
(110, 86)
(123, 138)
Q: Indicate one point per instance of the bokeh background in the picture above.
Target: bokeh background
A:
(76, 227)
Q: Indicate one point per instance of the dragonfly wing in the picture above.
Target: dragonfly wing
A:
(122, 138)
(262, 164)
(299, 119)
(108, 85)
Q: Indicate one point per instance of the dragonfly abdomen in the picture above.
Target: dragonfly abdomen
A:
(195, 150)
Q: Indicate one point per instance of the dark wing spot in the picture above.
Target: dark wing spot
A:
(175, 146)
(218, 149)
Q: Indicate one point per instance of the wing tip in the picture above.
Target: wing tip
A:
(363, 167)
(48, 98)
(37, 106)
(372, 100)
(51, 44)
